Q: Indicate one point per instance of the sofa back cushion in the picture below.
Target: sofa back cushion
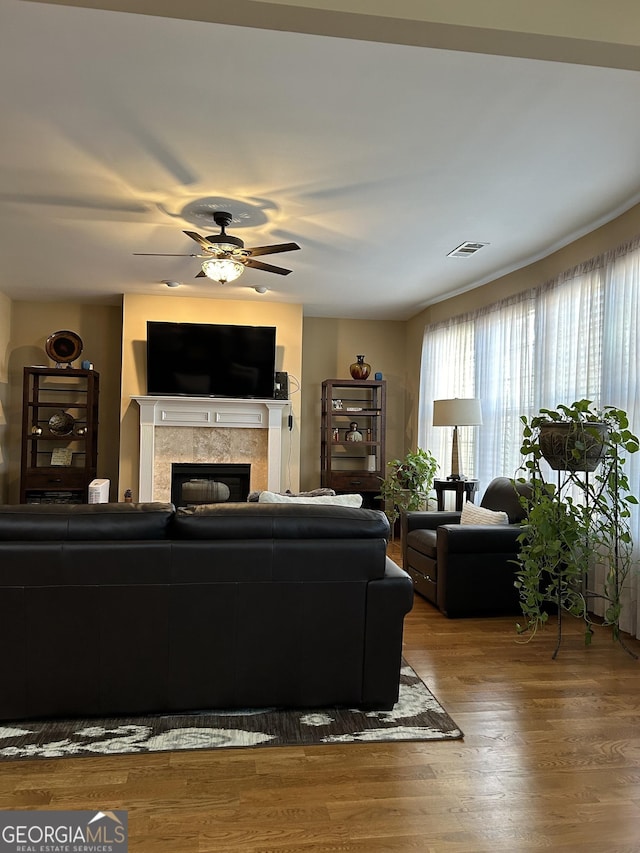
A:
(278, 521)
(110, 521)
(283, 542)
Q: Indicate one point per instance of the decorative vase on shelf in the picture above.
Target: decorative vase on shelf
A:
(360, 369)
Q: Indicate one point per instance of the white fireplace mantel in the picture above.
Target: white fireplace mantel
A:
(208, 412)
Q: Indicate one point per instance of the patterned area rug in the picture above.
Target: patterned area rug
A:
(416, 716)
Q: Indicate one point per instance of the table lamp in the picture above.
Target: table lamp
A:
(457, 412)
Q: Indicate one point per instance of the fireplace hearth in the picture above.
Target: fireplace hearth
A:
(205, 483)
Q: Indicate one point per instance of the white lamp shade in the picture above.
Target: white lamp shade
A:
(461, 411)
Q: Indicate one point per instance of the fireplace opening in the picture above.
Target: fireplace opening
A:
(195, 483)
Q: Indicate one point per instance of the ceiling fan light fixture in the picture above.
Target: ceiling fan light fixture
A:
(225, 243)
(224, 256)
(222, 270)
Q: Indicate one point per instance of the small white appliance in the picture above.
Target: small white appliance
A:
(99, 491)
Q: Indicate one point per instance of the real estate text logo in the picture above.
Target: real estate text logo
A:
(63, 832)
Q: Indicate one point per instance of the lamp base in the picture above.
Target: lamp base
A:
(455, 458)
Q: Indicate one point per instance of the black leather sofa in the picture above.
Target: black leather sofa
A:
(133, 608)
(467, 570)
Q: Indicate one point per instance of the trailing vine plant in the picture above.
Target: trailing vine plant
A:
(580, 520)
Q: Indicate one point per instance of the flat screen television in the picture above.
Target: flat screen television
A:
(210, 360)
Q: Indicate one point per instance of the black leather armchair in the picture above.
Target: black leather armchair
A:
(467, 570)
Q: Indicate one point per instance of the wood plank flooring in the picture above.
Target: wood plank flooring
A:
(550, 762)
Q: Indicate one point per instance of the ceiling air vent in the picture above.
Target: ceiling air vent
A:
(466, 249)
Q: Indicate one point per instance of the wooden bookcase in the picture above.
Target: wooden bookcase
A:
(353, 466)
(59, 434)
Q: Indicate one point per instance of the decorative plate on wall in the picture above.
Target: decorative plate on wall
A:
(63, 346)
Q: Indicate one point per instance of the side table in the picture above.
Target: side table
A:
(462, 488)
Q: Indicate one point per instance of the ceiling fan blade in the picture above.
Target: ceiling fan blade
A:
(271, 250)
(168, 255)
(258, 265)
(204, 244)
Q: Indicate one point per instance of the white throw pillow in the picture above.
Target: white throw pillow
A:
(472, 514)
(338, 500)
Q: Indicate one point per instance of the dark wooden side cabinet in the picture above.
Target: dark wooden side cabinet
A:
(349, 466)
(59, 434)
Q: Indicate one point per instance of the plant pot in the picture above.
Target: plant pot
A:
(573, 446)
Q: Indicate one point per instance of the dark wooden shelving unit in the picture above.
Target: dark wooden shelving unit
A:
(345, 464)
(59, 426)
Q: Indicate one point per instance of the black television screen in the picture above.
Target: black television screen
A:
(210, 360)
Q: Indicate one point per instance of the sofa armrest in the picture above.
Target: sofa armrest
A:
(477, 569)
(389, 599)
(427, 519)
(477, 538)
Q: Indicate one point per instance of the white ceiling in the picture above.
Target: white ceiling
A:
(120, 130)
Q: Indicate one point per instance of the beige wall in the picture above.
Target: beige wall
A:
(138, 309)
(330, 346)
(5, 338)
(99, 327)
(608, 237)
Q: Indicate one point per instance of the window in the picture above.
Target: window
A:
(573, 338)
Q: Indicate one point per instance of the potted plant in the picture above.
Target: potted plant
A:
(408, 483)
(572, 438)
(579, 520)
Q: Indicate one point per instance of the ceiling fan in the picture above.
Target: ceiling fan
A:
(224, 256)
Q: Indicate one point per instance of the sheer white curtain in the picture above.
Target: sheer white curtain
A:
(568, 339)
(447, 371)
(575, 337)
(489, 356)
(505, 340)
(620, 381)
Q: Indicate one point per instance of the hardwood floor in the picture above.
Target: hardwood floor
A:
(550, 761)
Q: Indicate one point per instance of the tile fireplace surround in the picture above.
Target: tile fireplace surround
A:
(206, 429)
